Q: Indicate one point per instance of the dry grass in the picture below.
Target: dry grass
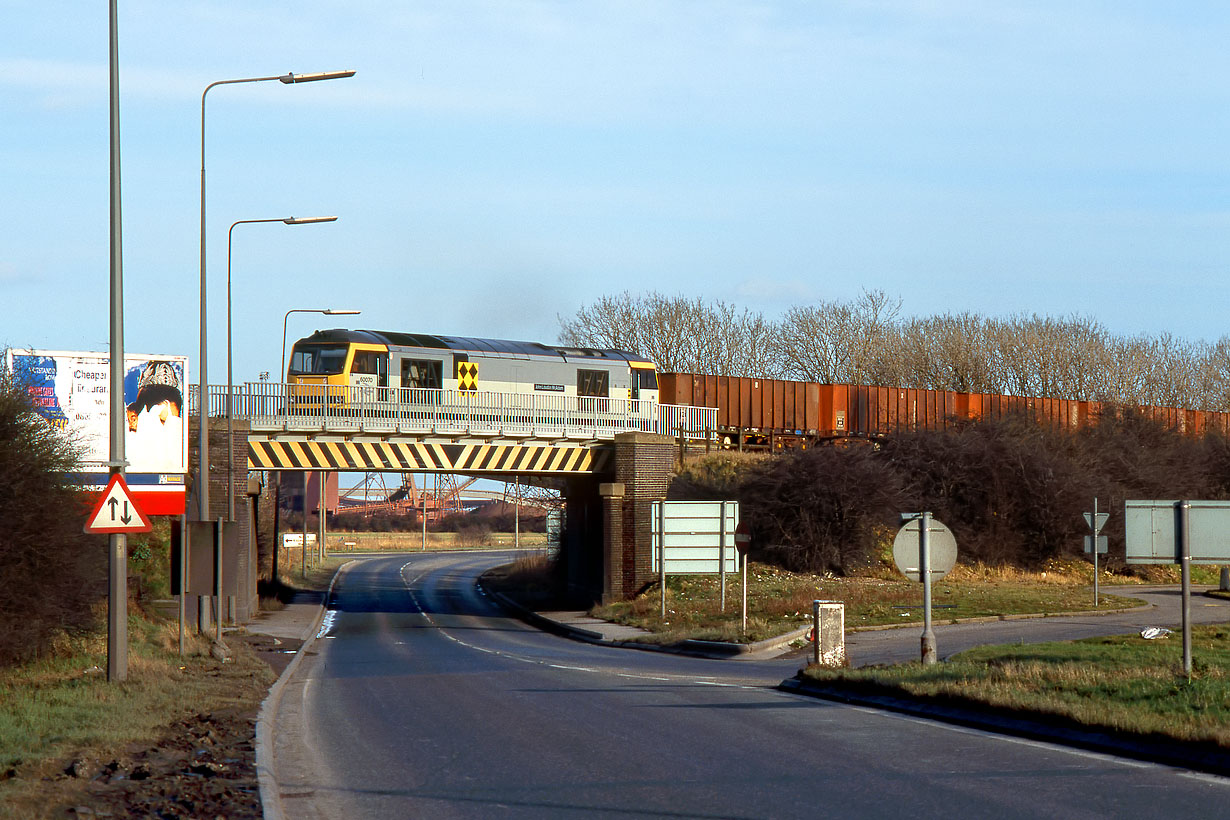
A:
(779, 600)
(64, 705)
(412, 541)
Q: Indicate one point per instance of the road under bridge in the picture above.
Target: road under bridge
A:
(607, 471)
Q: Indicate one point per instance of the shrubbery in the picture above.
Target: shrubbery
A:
(54, 575)
(1011, 491)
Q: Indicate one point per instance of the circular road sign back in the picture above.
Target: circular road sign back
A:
(743, 538)
(941, 544)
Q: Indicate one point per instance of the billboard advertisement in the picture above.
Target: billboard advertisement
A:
(72, 392)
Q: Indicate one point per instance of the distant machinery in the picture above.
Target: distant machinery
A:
(438, 497)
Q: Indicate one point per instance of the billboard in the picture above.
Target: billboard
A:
(72, 391)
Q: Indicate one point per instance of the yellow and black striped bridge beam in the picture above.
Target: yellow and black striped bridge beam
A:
(377, 455)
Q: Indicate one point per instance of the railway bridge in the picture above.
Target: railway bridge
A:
(609, 460)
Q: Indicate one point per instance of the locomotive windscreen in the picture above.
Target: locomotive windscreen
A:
(318, 359)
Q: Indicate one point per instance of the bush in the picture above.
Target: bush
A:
(473, 534)
(55, 576)
(821, 509)
(1011, 490)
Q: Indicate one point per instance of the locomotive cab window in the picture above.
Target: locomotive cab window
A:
(318, 360)
(643, 379)
(373, 363)
(593, 383)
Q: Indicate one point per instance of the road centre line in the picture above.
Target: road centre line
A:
(539, 662)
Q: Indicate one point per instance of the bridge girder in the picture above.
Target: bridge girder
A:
(474, 458)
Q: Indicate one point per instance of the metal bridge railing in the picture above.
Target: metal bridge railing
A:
(343, 408)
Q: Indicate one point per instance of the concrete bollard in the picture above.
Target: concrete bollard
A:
(828, 634)
(204, 613)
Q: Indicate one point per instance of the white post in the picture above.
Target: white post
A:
(722, 553)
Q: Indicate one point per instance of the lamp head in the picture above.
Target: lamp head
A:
(308, 220)
(310, 78)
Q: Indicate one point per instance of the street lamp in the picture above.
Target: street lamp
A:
(230, 415)
(285, 378)
(326, 311)
(203, 399)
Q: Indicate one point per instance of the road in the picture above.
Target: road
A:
(422, 699)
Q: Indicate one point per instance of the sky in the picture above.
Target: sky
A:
(495, 166)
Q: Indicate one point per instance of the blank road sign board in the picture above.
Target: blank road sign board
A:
(1103, 544)
(1151, 528)
(693, 534)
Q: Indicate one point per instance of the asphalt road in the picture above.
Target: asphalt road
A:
(422, 699)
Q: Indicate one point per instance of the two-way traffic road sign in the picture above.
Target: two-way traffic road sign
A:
(116, 511)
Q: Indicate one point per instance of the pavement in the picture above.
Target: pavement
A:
(297, 621)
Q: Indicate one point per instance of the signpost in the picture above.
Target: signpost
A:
(743, 542)
(1096, 544)
(925, 549)
(1178, 532)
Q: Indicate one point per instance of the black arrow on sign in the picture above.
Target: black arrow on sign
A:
(125, 518)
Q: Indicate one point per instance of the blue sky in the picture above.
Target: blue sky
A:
(497, 164)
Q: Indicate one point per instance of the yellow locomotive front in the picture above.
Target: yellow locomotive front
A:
(330, 371)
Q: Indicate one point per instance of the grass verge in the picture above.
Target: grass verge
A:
(64, 707)
(1123, 684)
(779, 601)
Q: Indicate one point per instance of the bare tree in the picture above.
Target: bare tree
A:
(833, 342)
(950, 352)
(866, 342)
(680, 335)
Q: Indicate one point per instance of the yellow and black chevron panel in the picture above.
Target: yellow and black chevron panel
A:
(467, 375)
(373, 456)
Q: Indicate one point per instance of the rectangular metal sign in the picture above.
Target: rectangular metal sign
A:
(1103, 544)
(692, 533)
(1151, 528)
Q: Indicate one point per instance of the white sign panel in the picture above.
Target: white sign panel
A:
(72, 392)
(1151, 528)
(693, 534)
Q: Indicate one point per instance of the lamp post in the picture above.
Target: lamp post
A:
(230, 415)
(285, 379)
(203, 398)
(325, 311)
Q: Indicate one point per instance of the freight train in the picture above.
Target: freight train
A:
(776, 413)
(338, 367)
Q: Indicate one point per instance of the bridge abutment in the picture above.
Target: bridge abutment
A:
(643, 465)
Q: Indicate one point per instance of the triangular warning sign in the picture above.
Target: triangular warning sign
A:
(116, 511)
